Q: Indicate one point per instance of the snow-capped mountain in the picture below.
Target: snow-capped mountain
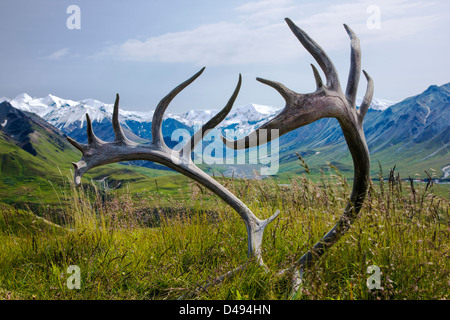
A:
(63, 113)
(377, 104)
(68, 115)
(242, 120)
(408, 133)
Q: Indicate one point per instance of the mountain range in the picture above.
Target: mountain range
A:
(68, 115)
(35, 162)
(412, 135)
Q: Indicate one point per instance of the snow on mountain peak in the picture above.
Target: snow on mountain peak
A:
(377, 104)
(256, 108)
(195, 117)
(23, 97)
(63, 113)
(21, 102)
(251, 113)
(93, 103)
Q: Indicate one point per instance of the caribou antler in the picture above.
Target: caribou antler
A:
(301, 109)
(328, 101)
(98, 152)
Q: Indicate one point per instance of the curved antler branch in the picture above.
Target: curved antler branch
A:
(319, 55)
(92, 138)
(327, 101)
(212, 123)
(157, 135)
(97, 153)
(367, 98)
(355, 66)
(120, 135)
(319, 82)
(285, 92)
(80, 146)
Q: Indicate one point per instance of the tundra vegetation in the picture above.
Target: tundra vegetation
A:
(154, 245)
(170, 240)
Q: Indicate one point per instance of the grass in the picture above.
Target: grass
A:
(173, 237)
(27, 180)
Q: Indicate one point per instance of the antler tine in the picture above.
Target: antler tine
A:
(285, 92)
(319, 82)
(212, 123)
(253, 139)
(367, 97)
(302, 109)
(80, 146)
(162, 106)
(92, 138)
(355, 66)
(319, 55)
(118, 131)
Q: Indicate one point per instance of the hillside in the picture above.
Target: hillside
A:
(35, 161)
(412, 135)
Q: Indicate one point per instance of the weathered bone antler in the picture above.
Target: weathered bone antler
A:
(328, 101)
(301, 109)
(98, 152)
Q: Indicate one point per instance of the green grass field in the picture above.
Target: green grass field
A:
(169, 238)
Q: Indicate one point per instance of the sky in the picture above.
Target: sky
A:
(142, 49)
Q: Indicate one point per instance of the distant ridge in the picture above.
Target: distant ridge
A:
(412, 135)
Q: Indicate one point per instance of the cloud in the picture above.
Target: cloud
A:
(398, 19)
(258, 6)
(262, 12)
(260, 35)
(215, 44)
(58, 55)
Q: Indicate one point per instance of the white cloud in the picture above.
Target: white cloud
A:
(261, 36)
(215, 44)
(58, 55)
(398, 18)
(263, 5)
(264, 11)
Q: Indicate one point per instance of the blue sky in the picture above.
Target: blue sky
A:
(142, 49)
